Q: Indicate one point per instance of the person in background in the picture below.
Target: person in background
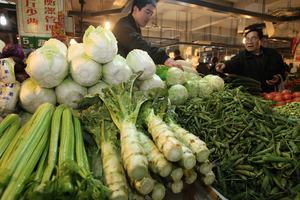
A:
(2, 45)
(177, 55)
(203, 68)
(129, 36)
(262, 64)
(213, 64)
(15, 52)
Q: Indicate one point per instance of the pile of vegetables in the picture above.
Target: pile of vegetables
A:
(151, 150)
(46, 157)
(255, 150)
(283, 97)
(289, 110)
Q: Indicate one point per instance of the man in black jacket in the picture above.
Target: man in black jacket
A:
(129, 36)
(262, 64)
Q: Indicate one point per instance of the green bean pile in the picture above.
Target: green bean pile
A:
(255, 150)
(289, 110)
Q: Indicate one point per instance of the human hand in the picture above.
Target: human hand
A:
(220, 67)
(275, 80)
(172, 63)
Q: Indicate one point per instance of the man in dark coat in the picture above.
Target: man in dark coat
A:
(129, 36)
(262, 64)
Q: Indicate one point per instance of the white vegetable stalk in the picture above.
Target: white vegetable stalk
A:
(209, 178)
(158, 192)
(197, 146)
(205, 167)
(176, 187)
(188, 160)
(176, 174)
(85, 71)
(163, 137)
(134, 158)
(144, 186)
(113, 170)
(100, 44)
(140, 61)
(157, 162)
(117, 71)
(190, 176)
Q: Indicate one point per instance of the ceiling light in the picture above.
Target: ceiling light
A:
(3, 20)
(107, 25)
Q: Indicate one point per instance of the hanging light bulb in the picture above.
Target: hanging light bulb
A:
(107, 25)
(3, 20)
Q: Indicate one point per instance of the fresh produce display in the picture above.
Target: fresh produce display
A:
(152, 151)
(289, 110)
(255, 150)
(46, 157)
(283, 97)
(249, 85)
(139, 129)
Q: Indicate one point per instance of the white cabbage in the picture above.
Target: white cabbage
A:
(47, 66)
(32, 96)
(100, 44)
(154, 82)
(177, 94)
(215, 82)
(140, 61)
(117, 71)
(97, 89)
(70, 92)
(75, 50)
(85, 71)
(175, 76)
(58, 44)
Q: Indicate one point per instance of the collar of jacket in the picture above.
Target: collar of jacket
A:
(133, 23)
(263, 51)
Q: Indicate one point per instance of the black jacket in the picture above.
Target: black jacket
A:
(129, 37)
(259, 67)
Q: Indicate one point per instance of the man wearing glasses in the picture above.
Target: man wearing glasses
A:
(129, 36)
(262, 64)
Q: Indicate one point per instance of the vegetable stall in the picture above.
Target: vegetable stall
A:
(95, 125)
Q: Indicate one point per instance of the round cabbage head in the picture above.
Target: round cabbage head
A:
(175, 76)
(32, 96)
(58, 44)
(177, 94)
(75, 50)
(154, 82)
(140, 61)
(97, 89)
(100, 44)
(85, 71)
(117, 71)
(204, 88)
(47, 66)
(70, 92)
(215, 82)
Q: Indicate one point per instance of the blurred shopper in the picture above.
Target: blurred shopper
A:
(129, 36)
(203, 68)
(214, 62)
(177, 55)
(262, 64)
(15, 52)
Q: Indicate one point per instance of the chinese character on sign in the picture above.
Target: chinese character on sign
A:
(50, 10)
(32, 21)
(31, 8)
(49, 2)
